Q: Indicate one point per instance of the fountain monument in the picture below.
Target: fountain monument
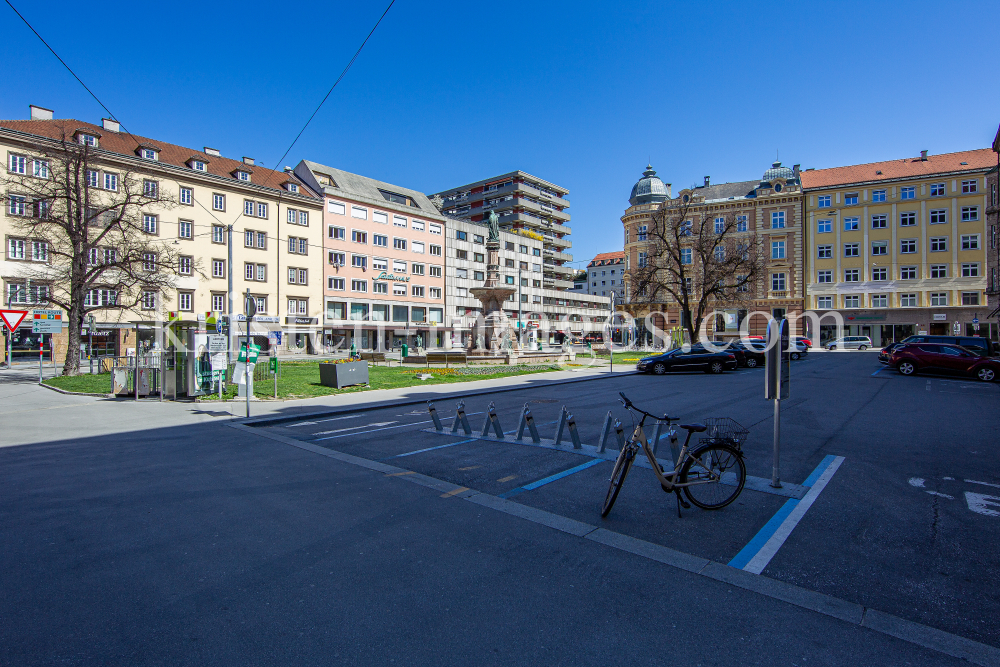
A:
(493, 335)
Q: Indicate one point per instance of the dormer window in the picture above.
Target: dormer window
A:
(198, 165)
(148, 154)
(292, 187)
(88, 140)
(243, 176)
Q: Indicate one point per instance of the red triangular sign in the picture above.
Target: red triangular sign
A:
(12, 318)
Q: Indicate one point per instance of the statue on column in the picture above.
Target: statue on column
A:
(493, 222)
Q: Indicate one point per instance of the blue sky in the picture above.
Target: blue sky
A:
(579, 93)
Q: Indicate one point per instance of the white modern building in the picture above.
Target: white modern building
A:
(606, 274)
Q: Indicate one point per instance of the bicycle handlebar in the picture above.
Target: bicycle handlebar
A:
(629, 405)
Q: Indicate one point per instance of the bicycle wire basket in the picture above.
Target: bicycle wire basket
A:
(725, 431)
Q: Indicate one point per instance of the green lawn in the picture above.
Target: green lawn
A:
(300, 379)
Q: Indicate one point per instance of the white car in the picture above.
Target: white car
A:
(850, 343)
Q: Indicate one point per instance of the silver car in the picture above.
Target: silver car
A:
(850, 343)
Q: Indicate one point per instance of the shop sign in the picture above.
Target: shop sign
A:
(301, 320)
(274, 319)
(940, 317)
(389, 276)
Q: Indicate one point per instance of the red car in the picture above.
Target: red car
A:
(909, 358)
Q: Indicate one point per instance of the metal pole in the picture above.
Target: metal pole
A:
(775, 472)
(249, 376)
(229, 296)
(40, 346)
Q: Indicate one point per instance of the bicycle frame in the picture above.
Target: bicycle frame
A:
(665, 478)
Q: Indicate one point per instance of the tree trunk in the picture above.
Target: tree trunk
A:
(72, 364)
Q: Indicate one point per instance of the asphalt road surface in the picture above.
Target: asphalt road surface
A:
(203, 544)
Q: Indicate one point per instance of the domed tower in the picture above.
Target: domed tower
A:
(650, 189)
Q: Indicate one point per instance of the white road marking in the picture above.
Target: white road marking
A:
(928, 385)
(950, 479)
(972, 481)
(352, 428)
(982, 504)
(917, 482)
(943, 495)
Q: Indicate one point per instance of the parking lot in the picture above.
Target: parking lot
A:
(907, 522)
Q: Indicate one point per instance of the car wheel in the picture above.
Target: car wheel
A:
(659, 369)
(794, 356)
(832, 348)
(986, 374)
(715, 367)
(862, 348)
(751, 363)
(907, 368)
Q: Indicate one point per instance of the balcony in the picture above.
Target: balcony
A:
(556, 255)
(541, 209)
(557, 284)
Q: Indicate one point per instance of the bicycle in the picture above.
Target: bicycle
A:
(699, 473)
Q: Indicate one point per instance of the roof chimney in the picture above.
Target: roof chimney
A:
(796, 169)
(923, 156)
(248, 160)
(111, 125)
(40, 113)
(708, 181)
(213, 151)
(667, 186)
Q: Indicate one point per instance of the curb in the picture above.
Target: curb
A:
(75, 393)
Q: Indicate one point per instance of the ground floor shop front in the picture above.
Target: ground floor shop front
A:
(893, 325)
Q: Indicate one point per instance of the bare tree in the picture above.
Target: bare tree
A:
(697, 259)
(85, 222)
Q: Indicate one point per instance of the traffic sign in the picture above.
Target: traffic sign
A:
(46, 321)
(222, 324)
(254, 352)
(975, 320)
(217, 344)
(249, 305)
(12, 318)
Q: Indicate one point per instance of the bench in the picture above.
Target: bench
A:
(446, 357)
(373, 357)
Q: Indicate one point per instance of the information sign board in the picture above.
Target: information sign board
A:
(46, 321)
(217, 344)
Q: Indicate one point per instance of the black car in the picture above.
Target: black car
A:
(749, 355)
(695, 359)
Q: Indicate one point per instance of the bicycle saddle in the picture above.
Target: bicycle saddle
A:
(694, 428)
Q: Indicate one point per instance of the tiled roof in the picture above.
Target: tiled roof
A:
(608, 258)
(725, 190)
(945, 163)
(178, 156)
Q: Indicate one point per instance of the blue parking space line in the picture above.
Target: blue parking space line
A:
(878, 371)
(428, 449)
(551, 478)
(764, 535)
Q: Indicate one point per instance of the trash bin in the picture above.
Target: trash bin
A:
(406, 350)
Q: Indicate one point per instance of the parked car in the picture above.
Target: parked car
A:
(910, 358)
(850, 343)
(797, 349)
(696, 359)
(752, 353)
(968, 342)
(886, 352)
(805, 341)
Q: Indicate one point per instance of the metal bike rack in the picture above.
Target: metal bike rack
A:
(461, 419)
(492, 420)
(435, 416)
(566, 421)
(528, 420)
(605, 432)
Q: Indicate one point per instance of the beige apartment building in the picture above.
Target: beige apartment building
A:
(899, 247)
(275, 222)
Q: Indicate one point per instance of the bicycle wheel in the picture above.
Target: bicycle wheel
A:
(711, 464)
(618, 475)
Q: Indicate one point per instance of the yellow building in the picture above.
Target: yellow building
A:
(277, 233)
(898, 247)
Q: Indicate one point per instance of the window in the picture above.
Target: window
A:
(824, 276)
(40, 252)
(186, 196)
(359, 236)
(880, 221)
(434, 272)
(720, 225)
(359, 311)
(462, 254)
(970, 213)
(939, 270)
(824, 201)
(509, 263)
(824, 252)
(969, 187)
(851, 224)
(878, 195)
(939, 216)
(436, 229)
(852, 275)
(359, 261)
(851, 199)
(417, 225)
(509, 280)
(939, 298)
(824, 226)
(880, 247)
(824, 302)
(397, 220)
(417, 314)
(184, 265)
(150, 189)
(939, 244)
(380, 288)
(522, 249)
(880, 273)
(398, 289)
(417, 246)
(398, 243)
(253, 239)
(417, 269)
(720, 255)
(777, 249)
(380, 217)
(907, 273)
(336, 310)
(852, 249)
(88, 140)
(777, 282)
(908, 300)
(359, 212)
(185, 229)
(537, 252)
(417, 290)
(185, 301)
(93, 178)
(15, 248)
(970, 242)
(149, 223)
(461, 236)
(147, 153)
(218, 201)
(17, 205)
(336, 207)
(970, 298)
(907, 246)
(908, 219)
(335, 283)
(148, 300)
(478, 275)
(880, 301)
(741, 223)
(262, 272)
(686, 228)
(338, 259)
(337, 233)
(110, 256)
(508, 246)
(298, 306)
(111, 182)
(478, 257)
(380, 264)
(436, 250)
(537, 268)
(198, 165)
(853, 301)
(218, 268)
(380, 240)
(18, 164)
(359, 285)
(641, 260)
(296, 217)
(778, 220)
(937, 189)
(907, 193)
(970, 270)
(686, 257)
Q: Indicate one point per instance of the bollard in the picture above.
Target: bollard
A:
(521, 424)
(559, 429)
(573, 433)
(488, 422)
(492, 418)
(530, 420)
(461, 419)
(605, 432)
(434, 415)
